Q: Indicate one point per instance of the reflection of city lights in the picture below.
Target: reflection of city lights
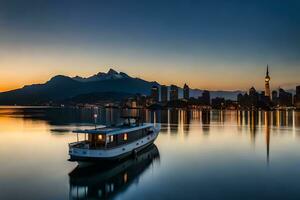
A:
(294, 126)
(266, 119)
(277, 118)
(259, 118)
(286, 118)
(125, 178)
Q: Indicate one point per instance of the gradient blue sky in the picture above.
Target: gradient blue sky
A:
(208, 44)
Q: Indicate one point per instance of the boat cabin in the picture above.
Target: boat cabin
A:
(113, 136)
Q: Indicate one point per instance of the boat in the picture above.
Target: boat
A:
(111, 143)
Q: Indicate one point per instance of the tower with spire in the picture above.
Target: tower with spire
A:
(267, 83)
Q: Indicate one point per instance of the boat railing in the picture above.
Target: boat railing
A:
(85, 144)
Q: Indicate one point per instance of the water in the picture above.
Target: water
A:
(198, 155)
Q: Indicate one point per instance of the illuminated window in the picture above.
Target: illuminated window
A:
(125, 136)
(125, 177)
(111, 138)
(100, 137)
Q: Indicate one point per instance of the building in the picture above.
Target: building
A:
(274, 94)
(250, 99)
(252, 91)
(275, 97)
(253, 97)
(173, 93)
(155, 93)
(142, 100)
(267, 84)
(163, 93)
(186, 92)
(297, 98)
(240, 98)
(218, 103)
(285, 99)
(206, 97)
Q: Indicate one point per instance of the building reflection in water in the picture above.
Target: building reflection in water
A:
(205, 119)
(267, 133)
(164, 116)
(185, 120)
(218, 116)
(173, 120)
(105, 181)
(296, 119)
(266, 119)
(253, 122)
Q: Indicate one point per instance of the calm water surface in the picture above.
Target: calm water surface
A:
(198, 155)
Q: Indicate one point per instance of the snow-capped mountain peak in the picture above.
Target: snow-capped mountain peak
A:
(111, 74)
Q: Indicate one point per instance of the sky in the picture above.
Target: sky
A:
(215, 45)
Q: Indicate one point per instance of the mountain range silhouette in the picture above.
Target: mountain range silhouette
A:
(111, 85)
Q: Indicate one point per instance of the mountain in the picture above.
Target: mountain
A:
(56, 88)
(102, 86)
(111, 74)
(61, 87)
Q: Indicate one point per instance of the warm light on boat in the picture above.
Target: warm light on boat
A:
(100, 137)
(125, 136)
(125, 177)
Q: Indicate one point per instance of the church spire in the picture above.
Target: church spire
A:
(267, 70)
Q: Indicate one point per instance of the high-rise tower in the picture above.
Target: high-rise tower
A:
(186, 92)
(173, 92)
(163, 93)
(155, 93)
(267, 84)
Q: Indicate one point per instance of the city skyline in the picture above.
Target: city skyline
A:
(213, 45)
(260, 85)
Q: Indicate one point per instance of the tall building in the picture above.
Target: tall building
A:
(267, 84)
(275, 97)
(253, 97)
(186, 92)
(173, 92)
(297, 97)
(206, 97)
(163, 93)
(285, 98)
(155, 93)
(252, 91)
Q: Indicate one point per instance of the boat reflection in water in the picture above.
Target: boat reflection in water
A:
(106, 180)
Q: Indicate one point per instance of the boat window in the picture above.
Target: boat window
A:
(100, 137)
(111, 138)
(125, 136)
